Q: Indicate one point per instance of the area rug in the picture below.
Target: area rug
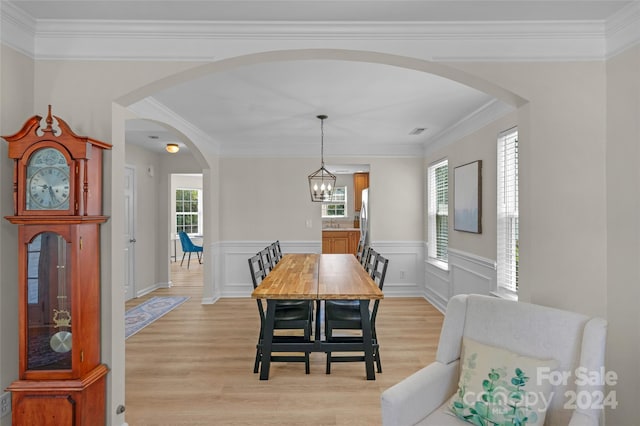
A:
(135, 319)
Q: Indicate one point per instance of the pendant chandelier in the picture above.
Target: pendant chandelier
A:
(322, 181)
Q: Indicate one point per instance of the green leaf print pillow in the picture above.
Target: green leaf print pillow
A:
(498, 387)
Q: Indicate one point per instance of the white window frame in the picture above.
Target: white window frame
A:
(337, 200)
(439, 258)
(199, 212)
(507, 259)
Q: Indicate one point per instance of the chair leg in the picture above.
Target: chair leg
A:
(307, 367)
(183, 254)
(327, 336)
(200, 257)
(189, 261)
(256, 366)
(376, 356)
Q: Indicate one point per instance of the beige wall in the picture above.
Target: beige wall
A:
(567, 239)
(562, 175)
(480, 145)
(623, 237)
(16, 105)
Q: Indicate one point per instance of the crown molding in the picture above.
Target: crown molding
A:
(194, 41)
(488, 113)
(623, 29)
(152, 109)
(17, 29)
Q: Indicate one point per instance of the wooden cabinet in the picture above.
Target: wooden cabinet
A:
(340, 241)
(360, 182)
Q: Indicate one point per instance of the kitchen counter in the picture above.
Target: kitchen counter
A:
(340, 229)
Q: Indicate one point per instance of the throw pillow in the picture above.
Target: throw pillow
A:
(499, 387)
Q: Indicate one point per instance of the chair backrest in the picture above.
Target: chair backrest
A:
(278, 249)
(535, 331)
(267, 259)
(257, 270)
(258, 273)
(360, 251)
(185, 241)
(379, 273)
(273, 252)
(380, 269)
(370, 259)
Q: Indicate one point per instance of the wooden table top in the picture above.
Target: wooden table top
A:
(342, 277)
(315, 276)
(294, 277)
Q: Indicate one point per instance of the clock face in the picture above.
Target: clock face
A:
(48, 186)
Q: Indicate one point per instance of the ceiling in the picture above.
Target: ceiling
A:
(271, 107)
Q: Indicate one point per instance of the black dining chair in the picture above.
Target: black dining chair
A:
(286, 318)
(346, 316)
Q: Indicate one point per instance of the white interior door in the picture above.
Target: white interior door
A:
(129, 232)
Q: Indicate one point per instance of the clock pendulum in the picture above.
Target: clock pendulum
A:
(61, 340)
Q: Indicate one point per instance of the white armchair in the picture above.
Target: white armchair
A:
(573, 340)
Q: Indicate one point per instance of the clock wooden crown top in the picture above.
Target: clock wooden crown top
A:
(54, 129)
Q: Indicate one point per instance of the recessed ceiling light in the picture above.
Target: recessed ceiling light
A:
(172, 148)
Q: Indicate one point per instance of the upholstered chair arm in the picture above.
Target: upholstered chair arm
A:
(582, 419)
(414, 398)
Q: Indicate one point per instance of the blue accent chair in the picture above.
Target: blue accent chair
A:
(189, 247)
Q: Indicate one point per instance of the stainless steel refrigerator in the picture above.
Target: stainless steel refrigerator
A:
(364, 217)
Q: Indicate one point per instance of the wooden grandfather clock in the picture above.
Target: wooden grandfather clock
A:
(57, 192)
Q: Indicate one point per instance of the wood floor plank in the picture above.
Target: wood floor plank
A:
(194, 366)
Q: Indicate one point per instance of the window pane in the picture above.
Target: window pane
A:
(508, 256)
(438, 211)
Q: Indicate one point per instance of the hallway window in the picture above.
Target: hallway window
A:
(438, 213)
(508, 255)
(188, 210)
(337, 207)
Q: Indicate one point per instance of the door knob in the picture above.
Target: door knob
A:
(133, 240)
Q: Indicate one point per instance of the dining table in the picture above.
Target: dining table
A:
(318, 277)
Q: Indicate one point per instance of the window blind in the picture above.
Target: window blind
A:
(507, 226)
(438, 210)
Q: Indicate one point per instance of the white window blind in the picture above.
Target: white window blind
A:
(507, 226)
(438, 211)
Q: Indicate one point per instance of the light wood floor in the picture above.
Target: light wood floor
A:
(194, 366)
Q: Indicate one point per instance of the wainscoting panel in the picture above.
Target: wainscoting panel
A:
(468, 273)
(436, 288)
(471, 273)
(405, 276)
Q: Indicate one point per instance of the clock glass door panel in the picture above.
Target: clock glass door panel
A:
(49, 303)
(48, 186)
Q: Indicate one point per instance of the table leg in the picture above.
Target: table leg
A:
(367, 339)
(267, 339)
